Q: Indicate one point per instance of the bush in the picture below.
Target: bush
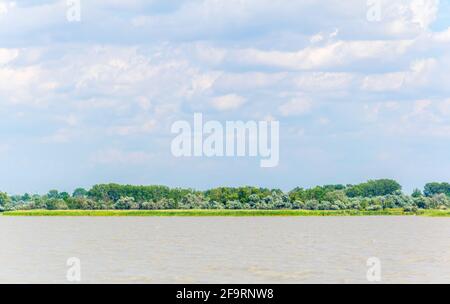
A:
(233, 205)
(193, 201)
(372, 195)
(312, 205)
(324, 205)
(149, 206)
(298, 205)
(410, 208)
(439, 200)
(354, 203)
(126, 203)
(82, 203)
(374, 208)
(56, 204)
(162, 204)
(215, 205)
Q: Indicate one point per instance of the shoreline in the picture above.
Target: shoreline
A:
(222, 213)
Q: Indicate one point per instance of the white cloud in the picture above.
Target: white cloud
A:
(336, 54)
(408, 17)
(444, 107)
(421, 73)
(228, 102)
(144, 103)
(22, 85)
(137, 128)
(5, 6)
(373, 112)
(70, 119)
(8, 55)
(442, 37)
(150, 62)
(61, 136)
(424, 12)
(247, 81)
(322, 81)
(317, 38)
(116, 156)
(297, 106)
(4, 149)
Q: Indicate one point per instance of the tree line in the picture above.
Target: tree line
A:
(371, 195)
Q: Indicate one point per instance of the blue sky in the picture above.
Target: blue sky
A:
(93, 101)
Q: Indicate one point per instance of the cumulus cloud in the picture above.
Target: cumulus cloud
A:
(137, 128)
(114, 156)
(8, 55)
(297, 106)
(61, 136)
(228, 102)
(424, 12)
(130, 68)
(332, 55)
(425, 73)
(443, 36)
(5, 6)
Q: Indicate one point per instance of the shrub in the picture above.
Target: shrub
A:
(439, 200)
(298, 205)
(324, 205)
(56, 204)
(215, 205)
(233, 205)
(82, 203)
(410, 208)
(312, 205)
(193, 201)
(149, 206)
(126, 203)
(422, 202)
(374, 208)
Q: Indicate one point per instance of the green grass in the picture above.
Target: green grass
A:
(391, 212)
(435, 213)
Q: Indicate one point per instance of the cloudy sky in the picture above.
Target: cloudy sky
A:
(93, 101)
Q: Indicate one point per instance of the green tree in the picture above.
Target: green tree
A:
(374, 188)
(80, 192)
(4, 199)
(56, 204)
(53, 194)
(416, 193)
(26, 197)
(432, 189)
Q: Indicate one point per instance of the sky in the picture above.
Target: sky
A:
(91, 102)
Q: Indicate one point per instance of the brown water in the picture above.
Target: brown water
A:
(225, 250)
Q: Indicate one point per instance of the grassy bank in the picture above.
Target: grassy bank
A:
(388, 212)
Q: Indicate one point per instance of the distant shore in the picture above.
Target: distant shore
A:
(231, 213)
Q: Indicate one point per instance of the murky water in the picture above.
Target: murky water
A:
(225, 250)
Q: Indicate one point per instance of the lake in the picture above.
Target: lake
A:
(225, 250)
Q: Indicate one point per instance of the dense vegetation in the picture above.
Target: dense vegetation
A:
(225, 212)
(375, 195)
